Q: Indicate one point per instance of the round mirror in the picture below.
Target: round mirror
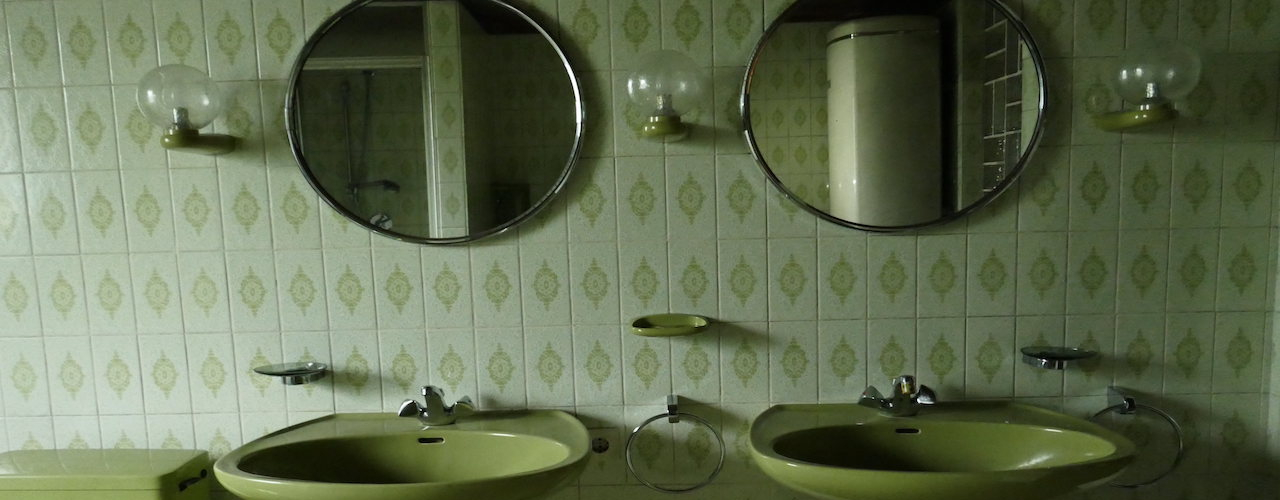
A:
(886, 116)
(434, 121)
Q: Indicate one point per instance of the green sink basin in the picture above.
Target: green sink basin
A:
(381, 456)
(951, 451)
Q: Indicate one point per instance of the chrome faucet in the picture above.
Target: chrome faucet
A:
(432, 411)
(906, 400)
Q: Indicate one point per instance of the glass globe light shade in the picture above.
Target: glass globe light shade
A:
(1164, 72)
(168, 92)
(666, 81)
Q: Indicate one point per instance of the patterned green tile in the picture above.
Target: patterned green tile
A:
(447, 284)
(743, 280)
(1149, 21)
(940, 355)
(229, 34)
(739, 197)
(20, 296)
(278, 32)
(1247, 184)
(691, 192)
(891, 349)
(34, 44)
(646, 368)
(989, 345)
(942, 275)
(1139, 342)
(1041, 280)
(501, 364)
(453, 362)
(1143, 279)
(1091, 272)
(594, 283)
(736, 25)
(1100, 27)
(636, 30)
(991, 278)
(1241, 269)
(1253, 23)
(61, 293)
(1144, 190)
(108, 294)
(1237, 352)
(1046, 191)
(890, 276)
(792, 280)
(793, 371)
(1188, 352)
(642, 206)
(744, 351)
(544, 275)
(495, 285)
(592, 213)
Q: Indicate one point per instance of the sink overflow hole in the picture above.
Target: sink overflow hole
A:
(906, 430)
(430, 440)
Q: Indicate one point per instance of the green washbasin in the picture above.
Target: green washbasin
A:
(513, 454)
(950, 451)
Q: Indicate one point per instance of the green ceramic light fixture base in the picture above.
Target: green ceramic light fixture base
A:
(1146, 116)
(192, 141)
(664, 128)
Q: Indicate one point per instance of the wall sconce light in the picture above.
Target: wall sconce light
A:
(667, 84)
(182, 100)
(1151, 78)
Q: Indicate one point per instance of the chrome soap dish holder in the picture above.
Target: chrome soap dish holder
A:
(295, 373)
(1055, 357)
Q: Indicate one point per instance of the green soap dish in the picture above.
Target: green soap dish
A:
(669, 325)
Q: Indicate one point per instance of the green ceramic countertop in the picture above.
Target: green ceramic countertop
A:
(55, 470)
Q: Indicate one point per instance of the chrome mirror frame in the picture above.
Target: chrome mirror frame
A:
(292, 128)
(1042, 106)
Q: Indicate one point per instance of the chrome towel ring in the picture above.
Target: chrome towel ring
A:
(1125, 404)
(674, 415)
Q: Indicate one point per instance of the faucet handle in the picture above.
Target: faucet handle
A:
(462, 407)
(409, 408)
(926, 396)
(905, 385)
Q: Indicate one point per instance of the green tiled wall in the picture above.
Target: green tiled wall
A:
(140, 287)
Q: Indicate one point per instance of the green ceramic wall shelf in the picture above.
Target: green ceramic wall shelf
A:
(669, 325)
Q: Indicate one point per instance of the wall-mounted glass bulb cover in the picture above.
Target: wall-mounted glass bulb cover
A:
(1167, 72)
(1150, 78)
(181, 100)
(175, 86)
(666, 84)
